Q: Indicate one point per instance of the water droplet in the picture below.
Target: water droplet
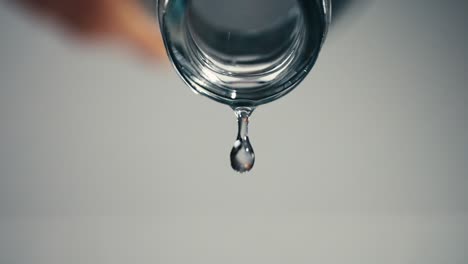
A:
(242, 153)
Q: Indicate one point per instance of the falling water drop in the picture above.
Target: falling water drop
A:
(242, 153)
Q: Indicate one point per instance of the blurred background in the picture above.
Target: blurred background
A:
(105, 158)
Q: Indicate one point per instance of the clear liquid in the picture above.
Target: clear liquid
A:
(243, 53)
(242, 153)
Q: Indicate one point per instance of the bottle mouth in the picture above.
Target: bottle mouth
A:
(240, 62)
(246, 49)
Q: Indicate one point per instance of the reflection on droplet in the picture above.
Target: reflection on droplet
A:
(242, 154)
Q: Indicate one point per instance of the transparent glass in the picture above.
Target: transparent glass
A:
(243, 53)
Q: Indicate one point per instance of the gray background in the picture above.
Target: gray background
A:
(107, 159)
